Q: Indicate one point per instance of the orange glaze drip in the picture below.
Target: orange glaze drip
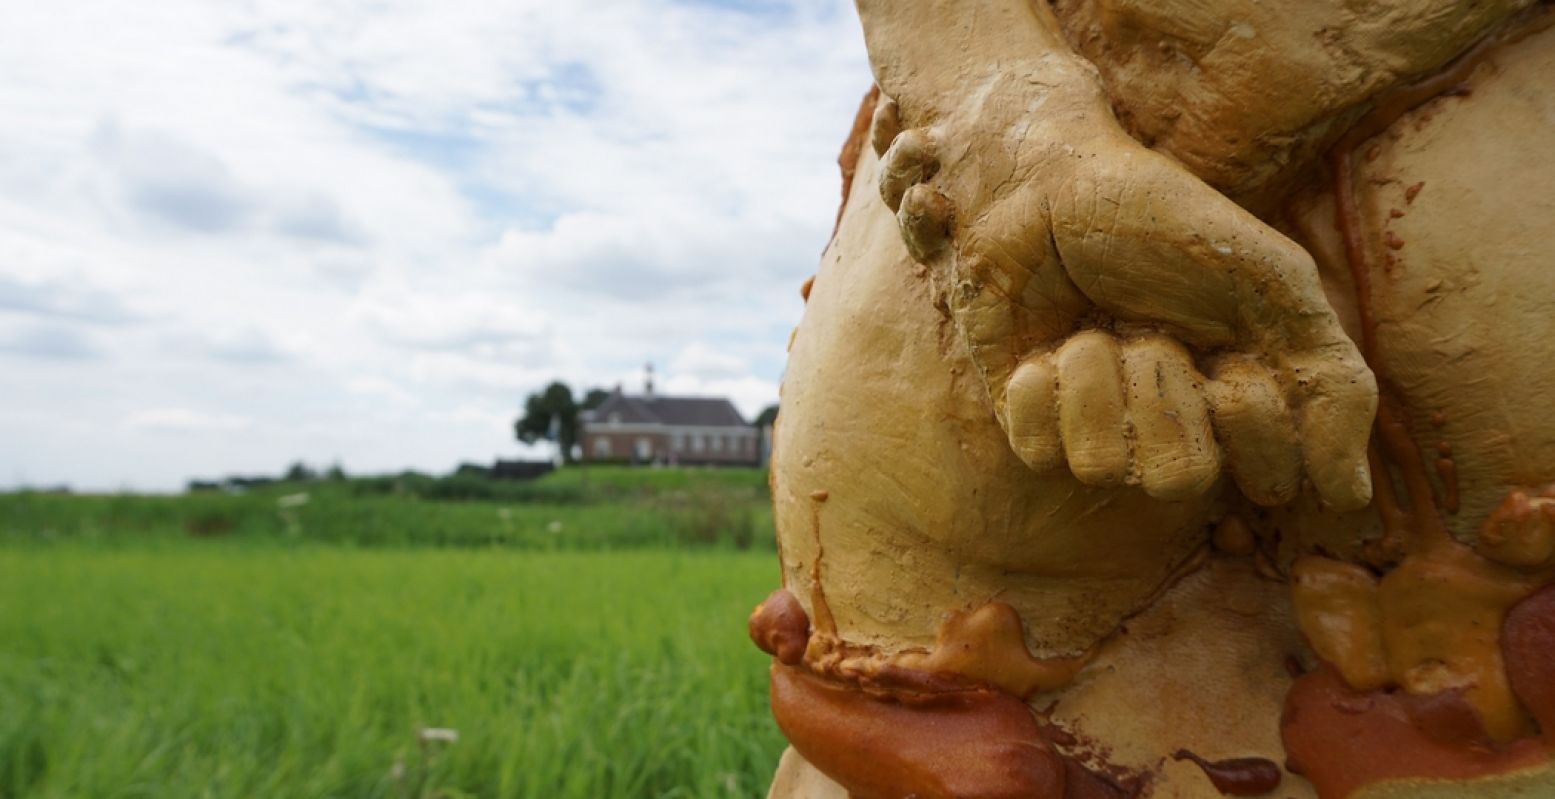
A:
(1446, 470)
(1388, 549)
(824, 621)
(1447, 475)
(989, 645)
(1342, 740)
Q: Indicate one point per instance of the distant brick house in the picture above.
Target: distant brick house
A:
(650, 428)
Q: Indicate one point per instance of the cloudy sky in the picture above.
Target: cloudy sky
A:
(238, 234)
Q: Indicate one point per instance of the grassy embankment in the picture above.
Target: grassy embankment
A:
(256, 645)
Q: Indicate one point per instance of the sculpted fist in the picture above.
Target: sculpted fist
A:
(1129, 320)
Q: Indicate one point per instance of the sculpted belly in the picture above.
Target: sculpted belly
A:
(880, 397)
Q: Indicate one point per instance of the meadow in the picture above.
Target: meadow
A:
(587, 642)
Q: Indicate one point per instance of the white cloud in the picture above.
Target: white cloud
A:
(702, 362)
(47, 341)
(444, 320)
(247, 345)
(55, 298)
(363, 231)
(186, 420)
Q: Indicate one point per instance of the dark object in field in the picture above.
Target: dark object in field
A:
(521, 470)
(209, 525)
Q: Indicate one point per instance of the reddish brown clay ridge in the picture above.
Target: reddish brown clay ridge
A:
(1342, 740)
(890, 731)
(970, 743)
(852, 148)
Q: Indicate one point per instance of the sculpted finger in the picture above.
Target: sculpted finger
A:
(1256, 431)
(1031, 413)
(1147, 241)
(1175, 454)
(885, 126)
(1092, 417)
(1335, 400)
(925, 221)
(909, 161)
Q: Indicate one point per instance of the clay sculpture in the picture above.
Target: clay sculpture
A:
(1169, 413)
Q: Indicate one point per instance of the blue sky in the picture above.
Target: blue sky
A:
(233, 235)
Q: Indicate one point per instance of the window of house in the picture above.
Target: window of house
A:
(718, 443)
(698, 442)
(601, 447)
(644, 449)
(680, 442)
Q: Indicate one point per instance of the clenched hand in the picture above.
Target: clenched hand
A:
(1130, 322)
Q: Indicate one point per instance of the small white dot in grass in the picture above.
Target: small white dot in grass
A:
(444, 734)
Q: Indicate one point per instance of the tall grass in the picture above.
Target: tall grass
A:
(579, 508)
(247, 669)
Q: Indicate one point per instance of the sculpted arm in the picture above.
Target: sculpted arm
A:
(1129, 321)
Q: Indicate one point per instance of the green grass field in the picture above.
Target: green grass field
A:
(593, 508)
(276, 658)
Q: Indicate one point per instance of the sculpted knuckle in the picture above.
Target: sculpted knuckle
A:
(907, 165)
(885, 126)
(925, 217)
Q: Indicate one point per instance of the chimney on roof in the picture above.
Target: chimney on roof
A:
(648, 383)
